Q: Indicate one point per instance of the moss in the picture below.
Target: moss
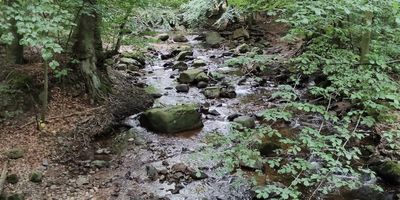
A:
(36, 177)
(12, 178)
(151, 90)
(389, 171)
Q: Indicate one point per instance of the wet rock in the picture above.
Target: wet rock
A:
(15, 153)
(245, 121)
(172, 119)
(100, 163)
(183, 55)
(152, 172)
(198, 63)
(212, 92)
(214, 112)
(165, 163)
(214, 39)
(168, 64)
(181, 66)
(389, 171)
(179, 167)
(233, 116)
(198, 175)
(12, 179)
(240, 33)
(163, 37)
(156, 95)
(201, 77)
(228, 92)
(217, 76)
(177, 188)
(121, 66)
(182, 88)
(243, 48)
(133, 68)
(180, 38)
(202, 84)
(130, 61)
(36, 177)
(189, 75)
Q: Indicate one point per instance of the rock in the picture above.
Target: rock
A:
(136, 55)
(202, 84)
(212, 92)
(100, 163)
(15, 153)
(228, 92)
(245, 121)
(36, 177)
(179, 167)
(233, 116)
(267, 149)
(181, 66)
(82, 180)
(243, 48)
(198, 175)
(240, 33)
(201, 77)
(163, 37)
(198, 63)
(182, 88)
(130, 61)
(183, 55)
(133, 68)
(214, 39)
(257, 50)
(152, 172)
(217, 76)
(156, 95)
(214, 112)
(165, 163)
(389, 171)
(189, 75)
(12, 179)
(172, 119)
(180, 38)
(121, 66)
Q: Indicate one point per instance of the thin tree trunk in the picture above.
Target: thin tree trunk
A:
(88, 50)
(14, 51)
(3, 177)
(366, 39)
(45, 97)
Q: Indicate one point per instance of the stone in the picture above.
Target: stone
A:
(202, 84)
(189, 75)
(212, 92)
(15, 153)
(233, 116)
(16, 197)
(82, 180)
(163, 37)
(181, 66)
(130, 61)
(179, 167)
(133, 68)
(12, 179)
(198, 175)
(36, 177)
(152, 172)
(214, 39)
(198, 63)
(121, 66)
(180, 38)
(183, 55)
(217, 76)
(182, 88)
(243, 48)
(140, 57)
(389, 171)
(228, 92)
(240, 33)
(201, 77)
(245, 121)
(172, 119)
(100, 163)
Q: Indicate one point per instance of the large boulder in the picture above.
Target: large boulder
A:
(172, 119)
(214, 39)
(181, 66)
(191, 75)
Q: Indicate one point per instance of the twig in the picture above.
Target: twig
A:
(3, 177)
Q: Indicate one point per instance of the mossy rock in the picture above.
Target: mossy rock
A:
(183, 55)
(212, 92)
(16, 197)
(15, 153)
(389, 171)
(189, 76)
(245, 121)
(137, 55)
(36, 177)
(172, 119)
(214, 39)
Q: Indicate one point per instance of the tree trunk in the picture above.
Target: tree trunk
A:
(14, 51)
(89, 51)
(366, 38)
(45, 100)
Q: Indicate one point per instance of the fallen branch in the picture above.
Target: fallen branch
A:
(3, 177)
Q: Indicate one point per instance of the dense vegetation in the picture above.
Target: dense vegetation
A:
(349, 58)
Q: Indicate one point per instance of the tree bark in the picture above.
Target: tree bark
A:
(89, 51)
